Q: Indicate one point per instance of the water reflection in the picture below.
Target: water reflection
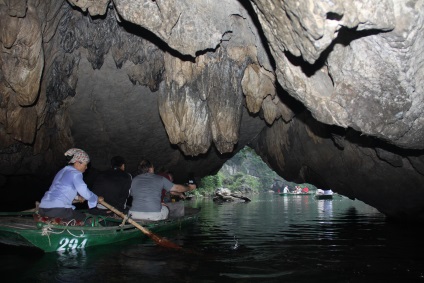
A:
(325, 208)
(271, 239)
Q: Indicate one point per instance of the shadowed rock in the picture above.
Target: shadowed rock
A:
(326, 94)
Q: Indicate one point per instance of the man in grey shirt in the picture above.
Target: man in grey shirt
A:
(146, 190)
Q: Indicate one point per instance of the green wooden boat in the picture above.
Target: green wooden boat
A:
(20, 229)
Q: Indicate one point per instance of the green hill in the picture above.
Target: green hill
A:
(247, 173)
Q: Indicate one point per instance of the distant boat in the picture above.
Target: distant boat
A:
(296, 194)
(324, 194)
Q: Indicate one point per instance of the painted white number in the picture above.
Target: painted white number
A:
(63, 243)
(82, 245)
(73, 244)
(66, 244)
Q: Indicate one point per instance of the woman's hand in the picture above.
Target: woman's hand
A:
(79, 199)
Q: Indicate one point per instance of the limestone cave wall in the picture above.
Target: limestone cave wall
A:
(329, 93)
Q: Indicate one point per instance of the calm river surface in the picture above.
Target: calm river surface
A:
(271, 239)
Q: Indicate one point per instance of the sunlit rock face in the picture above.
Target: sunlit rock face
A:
(326, 92)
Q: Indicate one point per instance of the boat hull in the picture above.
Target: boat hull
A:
(324, 196)
(22, 230)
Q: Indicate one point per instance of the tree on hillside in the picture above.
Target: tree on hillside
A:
(245, 170)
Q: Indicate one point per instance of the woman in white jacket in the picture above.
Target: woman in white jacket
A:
(67, 186)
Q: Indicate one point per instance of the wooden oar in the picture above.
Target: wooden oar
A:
(37, 204)
(158, 240)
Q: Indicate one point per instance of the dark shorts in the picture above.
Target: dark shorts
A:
(66, 214)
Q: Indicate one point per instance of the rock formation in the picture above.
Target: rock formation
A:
(327, 92)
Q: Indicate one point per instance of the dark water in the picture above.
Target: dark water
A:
(271, 239)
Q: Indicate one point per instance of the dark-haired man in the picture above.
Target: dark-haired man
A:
(114, 185)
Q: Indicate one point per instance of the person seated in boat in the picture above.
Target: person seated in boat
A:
(286, 190)
(114, 185)
(305, 190)
(146, 191)
(171, 199)
(168, 196)
(68, 185)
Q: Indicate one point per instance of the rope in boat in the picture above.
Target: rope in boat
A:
(47, 230)
(74, 221)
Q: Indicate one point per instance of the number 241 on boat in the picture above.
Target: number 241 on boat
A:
(71, 244)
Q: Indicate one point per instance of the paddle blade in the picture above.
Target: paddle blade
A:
(164, 242)
(158, 240)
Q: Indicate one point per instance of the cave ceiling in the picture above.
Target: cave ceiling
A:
(326, 92)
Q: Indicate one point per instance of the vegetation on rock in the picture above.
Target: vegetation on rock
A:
(246, 172)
